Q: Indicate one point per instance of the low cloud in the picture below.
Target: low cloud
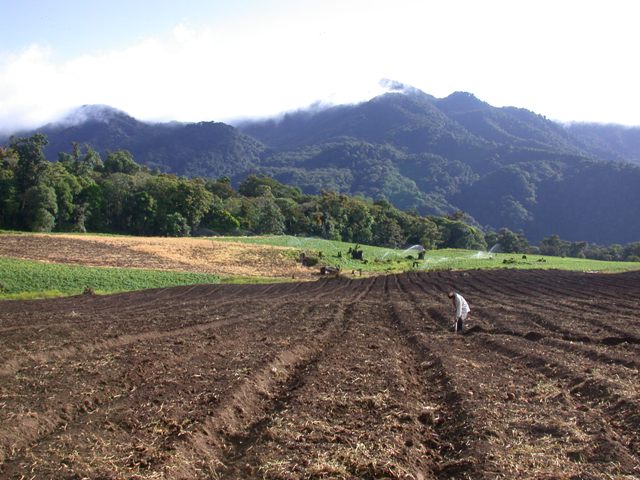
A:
(334, 53)
(396, 86)
(186, 76)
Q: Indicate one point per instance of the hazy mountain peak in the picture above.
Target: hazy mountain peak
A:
(394, 86)
(462, 102)
(92, 113)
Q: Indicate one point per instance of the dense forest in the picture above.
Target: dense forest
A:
(81, 191)
(504, 167)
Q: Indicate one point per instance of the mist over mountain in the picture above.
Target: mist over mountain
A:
(194, 149)
(503, 166)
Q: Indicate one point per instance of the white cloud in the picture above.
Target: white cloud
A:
(187, 75)
(563, 62)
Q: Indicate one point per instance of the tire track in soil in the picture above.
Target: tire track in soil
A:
(466, 459)
(343, 416)
(528, 311)
(522, 413)
(141, 376)
(434, 313)
(82, 308)
(571, 346)
(455, 425)
(239, 424)
(615, 358)
(239, 456)
(328, 340)
(577, 345)
(11, 365)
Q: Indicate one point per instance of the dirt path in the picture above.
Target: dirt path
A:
(329, 379)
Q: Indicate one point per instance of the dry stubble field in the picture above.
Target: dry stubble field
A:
(329, 379)
(196, 255)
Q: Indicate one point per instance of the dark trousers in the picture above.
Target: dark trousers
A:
(459, 324)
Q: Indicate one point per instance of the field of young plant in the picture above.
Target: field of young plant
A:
(23, 279)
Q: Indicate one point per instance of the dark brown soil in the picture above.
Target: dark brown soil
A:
(330, 379)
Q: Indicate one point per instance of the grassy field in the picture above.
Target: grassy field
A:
(380, 259)
(25, 279)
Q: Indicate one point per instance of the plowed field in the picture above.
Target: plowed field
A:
(329, 379)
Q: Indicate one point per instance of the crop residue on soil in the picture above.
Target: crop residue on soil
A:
(157, 253)
(330, 379)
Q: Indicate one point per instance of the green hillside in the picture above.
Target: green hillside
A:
(505, 167)
(387, 260)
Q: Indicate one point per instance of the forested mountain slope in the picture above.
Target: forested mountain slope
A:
(503, 166)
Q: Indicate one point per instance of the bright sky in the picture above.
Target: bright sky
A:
(194, 60)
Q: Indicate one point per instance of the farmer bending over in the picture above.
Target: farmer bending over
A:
(462, 310)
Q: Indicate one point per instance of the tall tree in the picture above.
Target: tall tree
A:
(40, 208)
(31, 160)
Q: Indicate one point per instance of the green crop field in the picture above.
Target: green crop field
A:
(380, 259)
(25, 279)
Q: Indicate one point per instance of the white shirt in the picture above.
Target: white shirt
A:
(462, 307)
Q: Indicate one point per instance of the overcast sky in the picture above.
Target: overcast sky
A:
(194, 60)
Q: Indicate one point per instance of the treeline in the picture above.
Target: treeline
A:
(84, 192)
(504, 240)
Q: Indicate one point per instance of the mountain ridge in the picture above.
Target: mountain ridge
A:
(498, 164)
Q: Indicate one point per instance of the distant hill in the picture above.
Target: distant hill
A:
(503, 166)
(609, 142)
(194, 149)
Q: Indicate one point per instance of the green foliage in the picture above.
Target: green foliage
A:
(66, 187)
(121, 161)
(220, 220)
(553, 245)
(632, 250)
(141, 209)
(9, 202)
(28, 279)
(221, 188)
(79, 192)
(82, 161)
(457, 234)
(192, 200)
(267, 217)
(261, 185)
(505, 167)
(175, 225)
(423, 231)
(507, 241)
(31, 160)
(40, 208)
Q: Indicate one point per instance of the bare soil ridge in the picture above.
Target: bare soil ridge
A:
(329, 379)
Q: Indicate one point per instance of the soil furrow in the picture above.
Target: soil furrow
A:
(595, 393)
(338, 378)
